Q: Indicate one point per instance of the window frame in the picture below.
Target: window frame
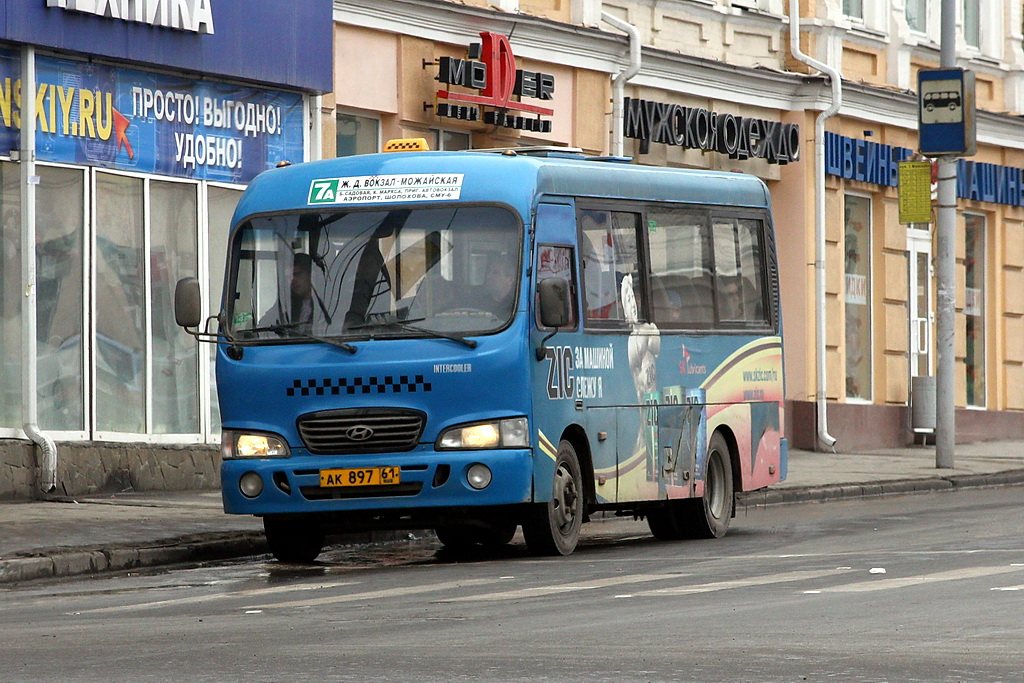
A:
(147, 436)
(986, 329)
(643, 312)
(86, 286)
(769, 274)
(362, 115)
(869, 396)
(574, 308)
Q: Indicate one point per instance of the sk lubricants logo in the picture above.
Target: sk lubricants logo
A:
(491, 69)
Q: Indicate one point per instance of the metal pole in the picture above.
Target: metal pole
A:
(29, 350)
(945, 274)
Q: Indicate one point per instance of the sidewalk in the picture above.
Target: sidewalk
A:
(128, 531)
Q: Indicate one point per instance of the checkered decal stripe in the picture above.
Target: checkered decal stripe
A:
(387, 384)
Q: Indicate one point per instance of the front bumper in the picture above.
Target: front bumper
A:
(429, 479)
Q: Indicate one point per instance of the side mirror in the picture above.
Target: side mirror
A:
(187, 303)
(554, 302)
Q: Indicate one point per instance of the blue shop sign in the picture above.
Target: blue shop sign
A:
(877, 164)
(275, 43)
(101, 115)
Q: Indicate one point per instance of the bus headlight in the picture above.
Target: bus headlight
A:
(509, 433)
(246, 445)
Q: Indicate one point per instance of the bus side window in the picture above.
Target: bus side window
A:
(681, 281)
(740, 279)
(555, 261)
(610, 253)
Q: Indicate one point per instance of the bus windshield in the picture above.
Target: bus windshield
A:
(362, 274)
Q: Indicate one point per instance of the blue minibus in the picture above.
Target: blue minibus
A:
(481, 341)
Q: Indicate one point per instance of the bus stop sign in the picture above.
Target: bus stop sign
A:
(945, 112)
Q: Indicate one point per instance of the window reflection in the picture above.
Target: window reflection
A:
(10, 296)
(173, 255)
(857, 297)
(120, 349)
(59, 321)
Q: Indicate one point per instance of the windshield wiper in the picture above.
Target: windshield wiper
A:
(407, 326)
(293, 330)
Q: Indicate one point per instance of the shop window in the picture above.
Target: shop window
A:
(173, 254)
(10, 296)
(357, 135)
(60, 197)
(916, 12)
(449, 140)
(120, 305)
(974, 308)
(220, 205)
(60, 217)
(857, 296)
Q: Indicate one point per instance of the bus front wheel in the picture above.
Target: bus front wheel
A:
(553, 528)
(293, 541)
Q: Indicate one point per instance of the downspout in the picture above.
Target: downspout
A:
(619, 82)
(29, 350)
(835, 80)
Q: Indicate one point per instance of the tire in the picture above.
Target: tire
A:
(668, 521)
(293, 541)
(462, 538)
(709, 517)
(553, 528)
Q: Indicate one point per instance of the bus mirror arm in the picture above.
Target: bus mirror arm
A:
(542, 350)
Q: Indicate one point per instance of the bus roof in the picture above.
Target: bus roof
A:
(475, 176)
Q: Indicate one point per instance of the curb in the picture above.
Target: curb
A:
(64, 562)
(877, 488)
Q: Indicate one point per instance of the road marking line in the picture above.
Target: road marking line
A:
(1009, 588)
(907, 581)
(375, 595)
(769, 579)
(193, 599)
(539, 591)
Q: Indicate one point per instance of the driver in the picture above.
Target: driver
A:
(499, 288)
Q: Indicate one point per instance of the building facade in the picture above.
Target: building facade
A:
(150, 118)
(730, 61)
(127, 208)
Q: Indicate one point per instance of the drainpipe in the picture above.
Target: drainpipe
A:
(29, 351)
(835, 80)
(619, 82)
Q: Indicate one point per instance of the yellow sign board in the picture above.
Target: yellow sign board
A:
(915, 191)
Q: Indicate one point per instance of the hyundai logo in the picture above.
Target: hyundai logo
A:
(358, 433)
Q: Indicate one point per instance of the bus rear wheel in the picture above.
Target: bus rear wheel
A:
(668, 520)
(553, 528)
(709, 517)
(293, 541)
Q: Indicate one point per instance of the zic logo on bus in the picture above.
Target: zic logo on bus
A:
(358, 433)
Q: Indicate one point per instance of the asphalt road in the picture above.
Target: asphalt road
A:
(915, 588)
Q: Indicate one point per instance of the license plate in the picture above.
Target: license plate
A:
(361, 476)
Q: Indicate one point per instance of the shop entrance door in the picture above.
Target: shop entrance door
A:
(922, 318)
